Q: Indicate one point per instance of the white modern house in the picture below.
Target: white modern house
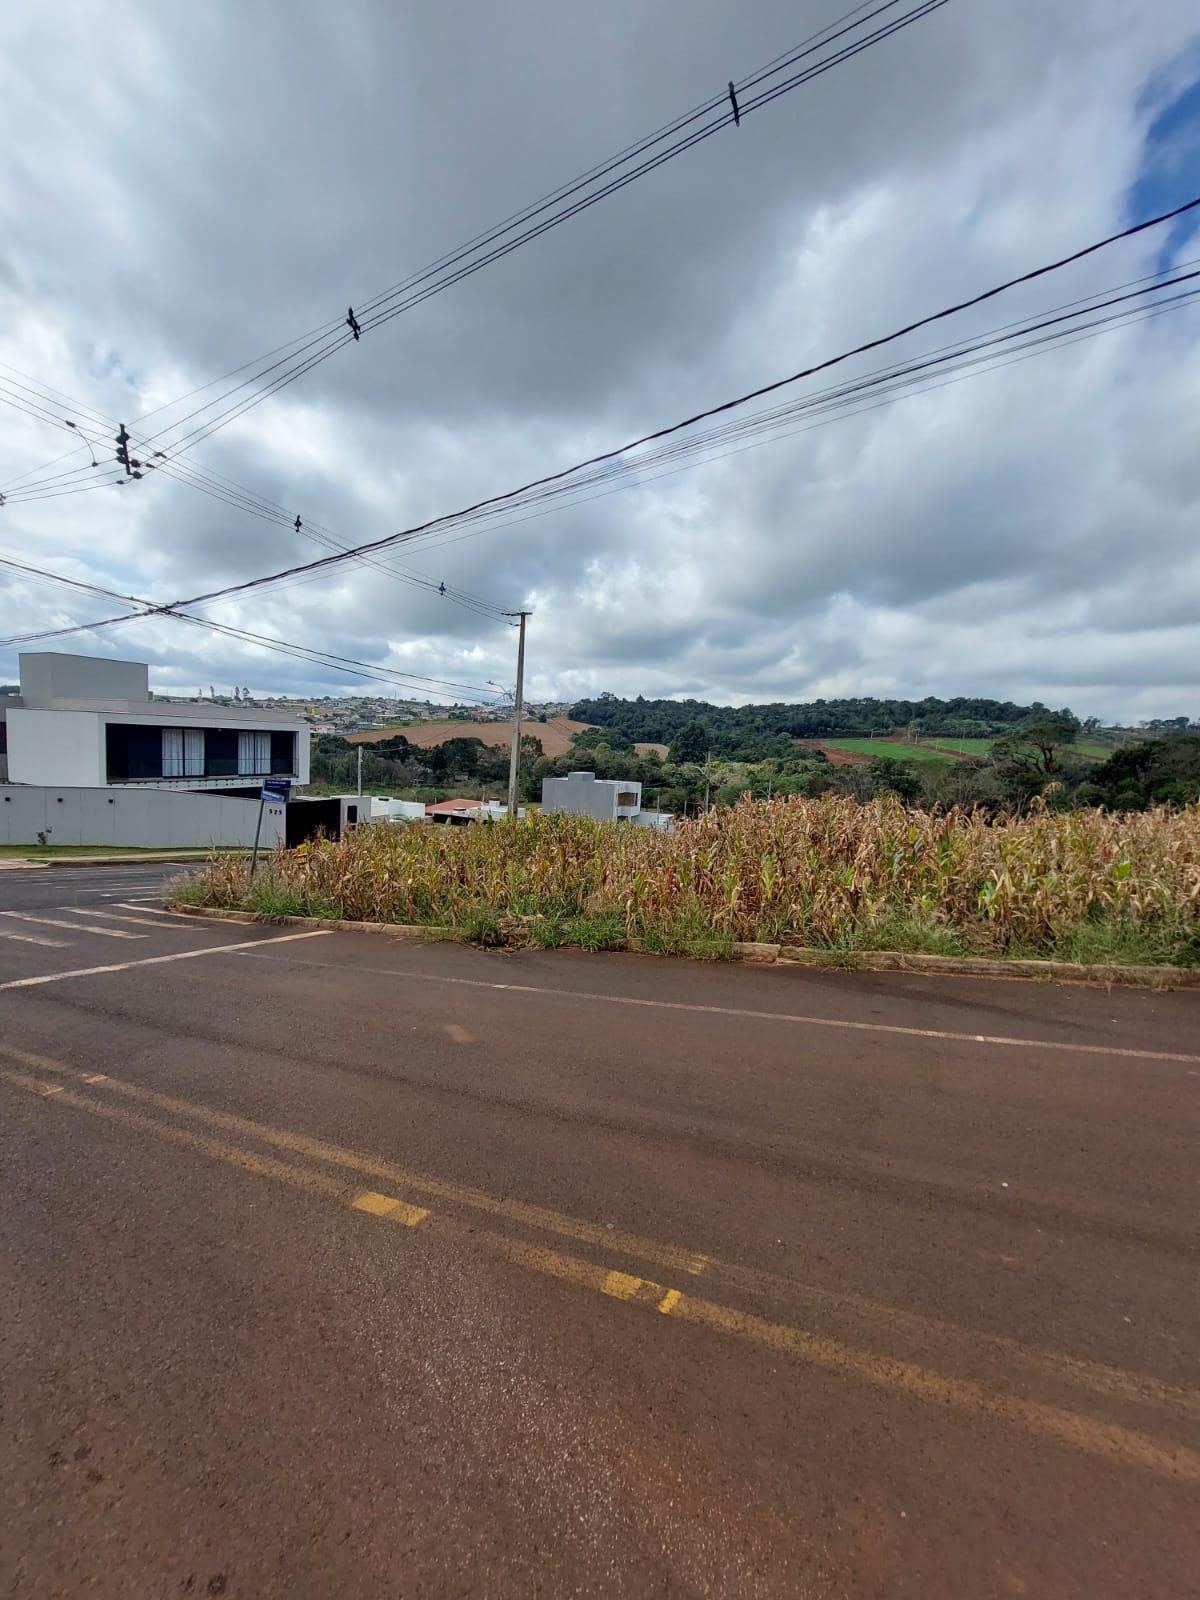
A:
(583, 794)
(88, 756)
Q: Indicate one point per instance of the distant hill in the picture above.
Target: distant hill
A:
(730, 729)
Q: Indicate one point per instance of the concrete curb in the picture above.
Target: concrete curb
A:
(805, 956)
(398, 930)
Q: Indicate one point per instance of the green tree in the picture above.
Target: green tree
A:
(690, 743)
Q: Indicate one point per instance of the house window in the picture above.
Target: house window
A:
(172, 752)
(254, 754)
(183, 752)
(627, 797)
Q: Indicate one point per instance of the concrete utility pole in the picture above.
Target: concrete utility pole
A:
(360, 769)
(514, 760)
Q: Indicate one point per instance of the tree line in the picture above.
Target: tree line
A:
(746, 731)
(1036, 758)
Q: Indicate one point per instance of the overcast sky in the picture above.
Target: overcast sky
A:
(184, 187)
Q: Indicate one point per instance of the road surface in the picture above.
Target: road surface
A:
(336, 1265)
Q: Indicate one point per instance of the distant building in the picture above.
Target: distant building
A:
(582, 794)
(460, 811)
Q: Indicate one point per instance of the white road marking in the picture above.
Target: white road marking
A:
(773, 1016)
(189, 925)
(75, 927)
(34, 938)
(153, 961)
(127, 905)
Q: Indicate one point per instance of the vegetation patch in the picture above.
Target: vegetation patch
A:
(828, 872)
(893, 749)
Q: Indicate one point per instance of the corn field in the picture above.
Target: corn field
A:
(825, 872)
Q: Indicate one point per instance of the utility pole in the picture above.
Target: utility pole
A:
(360, 771)
(514, 761)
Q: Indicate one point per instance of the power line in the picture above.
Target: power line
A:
(308, 350)
(320, 657)
(724, 406)
(238, 495)
(769, 429)
(339, 340)
(962, 359)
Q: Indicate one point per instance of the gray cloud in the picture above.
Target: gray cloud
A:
(189, 185)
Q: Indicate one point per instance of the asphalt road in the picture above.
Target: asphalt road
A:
(333, 1265)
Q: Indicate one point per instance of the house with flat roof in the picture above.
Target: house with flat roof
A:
(89, 756)
(90, 722)
(583, 794)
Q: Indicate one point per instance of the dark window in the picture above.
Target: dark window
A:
(220, 753)
(133, 751)
(136, 752)
(3, 738)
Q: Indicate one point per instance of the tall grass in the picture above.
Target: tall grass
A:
(827, 872)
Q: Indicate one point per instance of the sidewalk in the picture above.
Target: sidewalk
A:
(19, 863)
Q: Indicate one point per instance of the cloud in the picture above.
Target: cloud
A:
(227, 181)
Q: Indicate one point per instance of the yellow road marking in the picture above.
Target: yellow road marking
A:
(583, 1232)
(386, 1205)
(48, 1089)
(1107, 1381)
(1110, 1382)
(621, 1286)
(1093, 1437)
(1110, 1441)
(669, 1301)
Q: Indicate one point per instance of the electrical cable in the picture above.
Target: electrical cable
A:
(507, 496)
(308, 350)
(890, 382)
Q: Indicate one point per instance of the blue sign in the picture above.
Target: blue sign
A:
(277, 790)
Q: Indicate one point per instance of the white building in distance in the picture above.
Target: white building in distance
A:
(583, 794)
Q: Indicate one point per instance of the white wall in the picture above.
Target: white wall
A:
(59, 746)
(384, 809)
(125, 816)
(55, 746)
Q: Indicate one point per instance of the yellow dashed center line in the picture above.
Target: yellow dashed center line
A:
(386, 1205)
(1113, 1442)
(621, 1285)
(582, 1232)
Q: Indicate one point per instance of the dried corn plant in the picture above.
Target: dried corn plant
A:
(828, 871)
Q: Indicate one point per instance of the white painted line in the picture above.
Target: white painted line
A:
(127, 905)
(189, 926)
(771, 1016)
(75, 927)
(33, 938)
(153, 961)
